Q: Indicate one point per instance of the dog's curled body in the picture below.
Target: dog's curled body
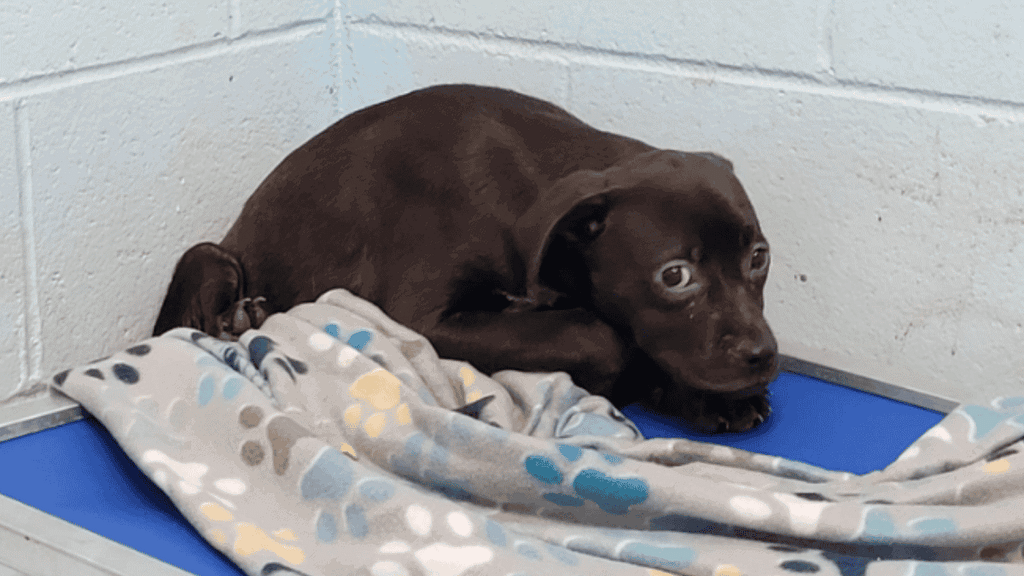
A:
(511, 235)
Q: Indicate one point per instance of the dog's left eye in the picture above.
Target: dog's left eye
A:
(675, 275)
(759, 259)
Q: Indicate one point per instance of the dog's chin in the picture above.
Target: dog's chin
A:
(728, 379)
(713, 410)
(732, 389)
(696, 397)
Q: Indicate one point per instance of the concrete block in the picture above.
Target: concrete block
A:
(14, 365)
(123, 186)
(378, 67)
(968, 48)
(259, 15)
(895, 232)
(758, 33)
(42, 38)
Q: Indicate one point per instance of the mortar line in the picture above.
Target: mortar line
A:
(22, 325)
(825, 21)
(188, 54)
(570, 94)
(33, 319)
(235, 18)
(339, 43)
(979, 108)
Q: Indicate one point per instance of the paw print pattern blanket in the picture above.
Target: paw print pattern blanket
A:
(334, 441)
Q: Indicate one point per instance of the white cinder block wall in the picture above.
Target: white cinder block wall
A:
(881, 142)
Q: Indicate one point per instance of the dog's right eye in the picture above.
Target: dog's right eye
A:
(675, 276)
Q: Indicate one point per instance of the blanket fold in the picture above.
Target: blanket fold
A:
(334, 441)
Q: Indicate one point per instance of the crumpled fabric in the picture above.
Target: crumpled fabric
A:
(333, 440)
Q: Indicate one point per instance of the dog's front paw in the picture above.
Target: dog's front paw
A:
(740, 415)
(711, 413)
(245, 314)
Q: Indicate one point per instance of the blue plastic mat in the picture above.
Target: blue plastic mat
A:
(816, 422)
(78, 473)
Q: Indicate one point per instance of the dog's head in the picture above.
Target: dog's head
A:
(666, 247)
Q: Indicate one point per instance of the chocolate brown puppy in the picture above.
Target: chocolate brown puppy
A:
(511, 235)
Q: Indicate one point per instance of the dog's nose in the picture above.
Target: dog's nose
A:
(760, 358)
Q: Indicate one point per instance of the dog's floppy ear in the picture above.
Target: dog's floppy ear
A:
(721, 161)
(207, 282)
(570, 212)
(562, 266)
(573, 208)
(585, 221)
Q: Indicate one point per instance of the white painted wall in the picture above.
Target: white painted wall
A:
(881, 143)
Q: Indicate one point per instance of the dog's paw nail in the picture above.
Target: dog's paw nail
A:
(255, 311)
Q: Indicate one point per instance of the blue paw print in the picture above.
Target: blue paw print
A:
(433, 470)
(358, 339)
(613, 495)
(329, 478)
(259, 348)
(878, 526)
(984, 419)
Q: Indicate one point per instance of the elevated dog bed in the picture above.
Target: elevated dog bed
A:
(328, 442)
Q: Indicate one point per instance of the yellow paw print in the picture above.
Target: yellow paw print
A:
(727, 570)
(348, 450)
(468, 379)
(250, 539)
(383, 391)
(997, 467)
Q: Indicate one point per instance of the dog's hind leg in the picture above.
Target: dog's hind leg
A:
(207, 292)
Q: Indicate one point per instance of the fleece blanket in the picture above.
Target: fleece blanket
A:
(334, 441)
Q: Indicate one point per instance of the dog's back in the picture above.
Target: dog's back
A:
(407, 189)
